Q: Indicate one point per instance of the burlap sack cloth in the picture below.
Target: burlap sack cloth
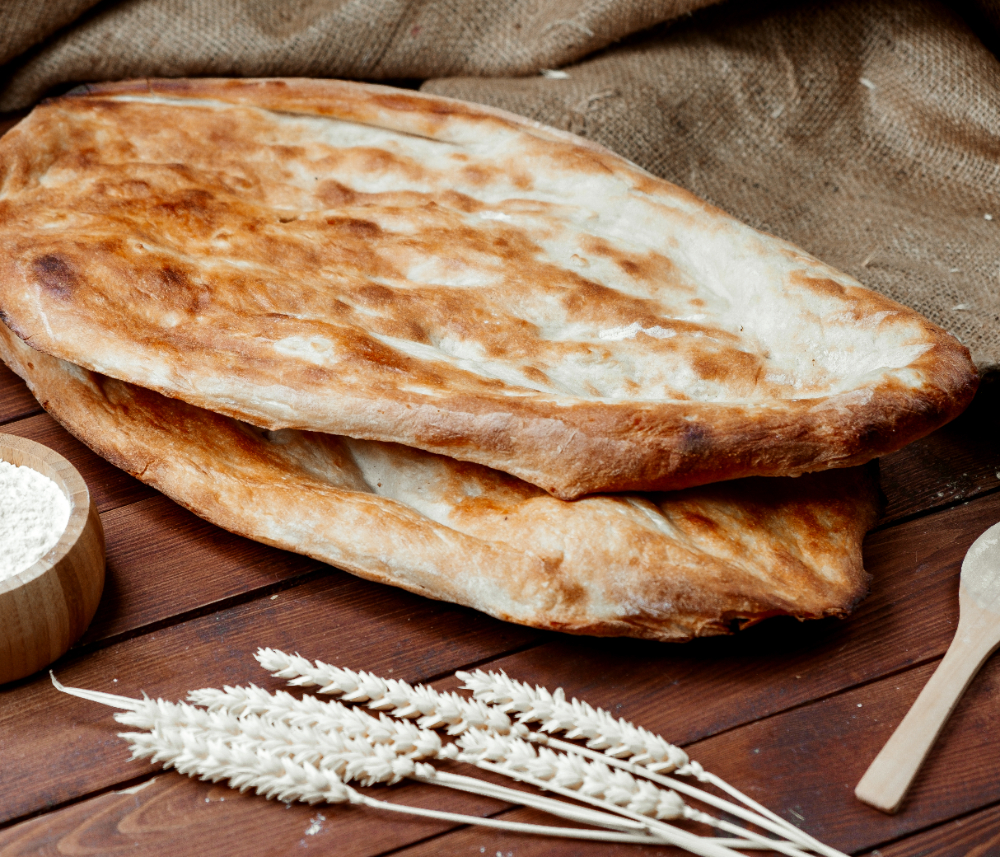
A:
(866, 132)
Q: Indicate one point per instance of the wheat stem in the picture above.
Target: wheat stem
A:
(791, 831)
(780, 845)
(110, 699)
(515, 826)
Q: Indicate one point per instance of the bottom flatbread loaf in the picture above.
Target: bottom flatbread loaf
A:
(660, 566)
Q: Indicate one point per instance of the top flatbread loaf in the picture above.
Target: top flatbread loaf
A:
(381, 264)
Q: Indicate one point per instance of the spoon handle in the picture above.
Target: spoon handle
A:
(887, 780)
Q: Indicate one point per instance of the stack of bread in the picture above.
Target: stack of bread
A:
(452, 350)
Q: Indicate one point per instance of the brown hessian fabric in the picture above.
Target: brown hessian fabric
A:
(866, 132)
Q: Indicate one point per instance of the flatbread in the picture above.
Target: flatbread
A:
(376, 263)
(660, 566)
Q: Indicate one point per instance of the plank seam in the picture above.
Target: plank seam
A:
(226, 603)
(934, 510)
(53, 808)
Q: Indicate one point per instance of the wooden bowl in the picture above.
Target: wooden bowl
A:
(45, 608)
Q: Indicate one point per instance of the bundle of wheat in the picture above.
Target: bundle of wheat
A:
(309, 750)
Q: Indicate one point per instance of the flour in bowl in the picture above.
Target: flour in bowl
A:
(33, 514)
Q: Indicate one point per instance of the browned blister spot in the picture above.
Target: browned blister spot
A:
(536, 375)
(354, 228)
(374, 161)
(55, 275)
(521, 180)
(362, 348)
(461, 201)
(648, 267)
(827, 287)
(334, 194)
(739, 370)
(374, 295)
(478, 175)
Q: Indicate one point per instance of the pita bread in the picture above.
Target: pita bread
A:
(661, 566)
(376, 263)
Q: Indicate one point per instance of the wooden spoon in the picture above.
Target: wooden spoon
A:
(885, 783)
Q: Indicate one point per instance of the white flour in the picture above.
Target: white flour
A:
(33, 514)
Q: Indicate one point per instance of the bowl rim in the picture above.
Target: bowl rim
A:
(72, 484)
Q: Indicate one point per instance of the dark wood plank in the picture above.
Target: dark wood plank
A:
(16, 400)
(57, 748)
(171, 815)
(805, 763)
(477, 841)
(975, 835)
(701, 688)
(109, 486)
(957, 462)
(163, 561)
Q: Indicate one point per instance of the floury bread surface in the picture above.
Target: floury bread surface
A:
(381, 264)
(661, 566)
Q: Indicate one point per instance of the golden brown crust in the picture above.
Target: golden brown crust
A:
(667, 567)
(399, 267)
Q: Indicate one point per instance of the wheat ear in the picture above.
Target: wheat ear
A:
(624, 745)
(307, 711)
(615, 737)
(431, 709)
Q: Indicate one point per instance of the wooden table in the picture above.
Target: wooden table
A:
(792, 713)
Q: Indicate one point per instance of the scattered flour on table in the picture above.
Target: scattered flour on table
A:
(33, 514)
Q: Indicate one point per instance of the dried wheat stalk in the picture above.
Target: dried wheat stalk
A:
(204, 745)
(647, 753)
(308, 748)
